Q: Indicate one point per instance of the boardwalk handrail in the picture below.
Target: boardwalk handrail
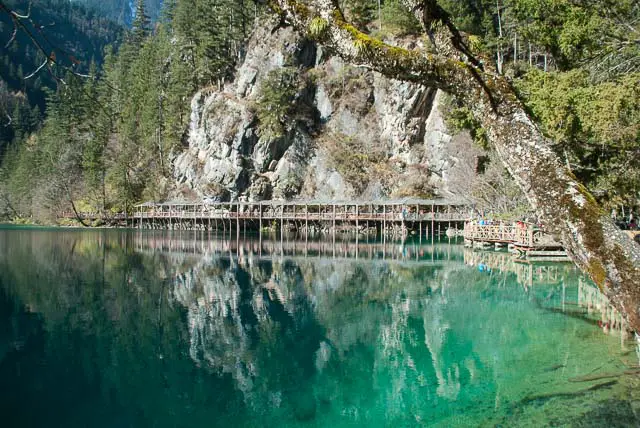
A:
(405, 216)
(520, 233)
(407, 211)
(300, 216)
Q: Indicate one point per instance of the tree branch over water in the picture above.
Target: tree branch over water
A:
(564, 206)
(25, 24)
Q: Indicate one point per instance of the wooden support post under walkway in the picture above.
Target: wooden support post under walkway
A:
(238, 221)
(334, 219)
(433, 216)
(282, 222)
(384, 220)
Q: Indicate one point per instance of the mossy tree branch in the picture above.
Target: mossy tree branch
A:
(563, 205)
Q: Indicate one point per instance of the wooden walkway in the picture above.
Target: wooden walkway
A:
(524, 240)
(397, 217)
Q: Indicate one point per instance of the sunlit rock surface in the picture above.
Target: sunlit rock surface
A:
(396, 127)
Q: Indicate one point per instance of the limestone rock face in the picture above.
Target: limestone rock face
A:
(352, 133)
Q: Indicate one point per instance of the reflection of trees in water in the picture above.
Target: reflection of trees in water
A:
(110, 338)
(595, 302)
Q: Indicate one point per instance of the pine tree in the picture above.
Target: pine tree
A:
(361, 11)
(140, 25)
(93, 151)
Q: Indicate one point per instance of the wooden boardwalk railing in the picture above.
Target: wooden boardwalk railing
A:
(519, 234)
(339, 216)
(407, 215)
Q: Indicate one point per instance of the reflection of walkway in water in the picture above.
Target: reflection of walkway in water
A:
(594, 301)
(527, 274)
(207, 244)
(590, 300)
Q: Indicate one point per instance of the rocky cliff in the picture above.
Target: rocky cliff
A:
(297, 122)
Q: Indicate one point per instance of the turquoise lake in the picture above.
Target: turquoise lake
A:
(112, 328)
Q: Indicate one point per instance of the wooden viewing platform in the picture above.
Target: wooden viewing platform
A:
(523, 239)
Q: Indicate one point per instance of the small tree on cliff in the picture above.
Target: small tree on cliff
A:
(564, 205)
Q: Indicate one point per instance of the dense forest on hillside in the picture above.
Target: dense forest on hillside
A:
(74, 35)
(108, 143)
(71, 34)
(123, 11)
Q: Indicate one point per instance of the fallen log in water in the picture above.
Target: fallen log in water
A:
(565, 394)
(554, 368)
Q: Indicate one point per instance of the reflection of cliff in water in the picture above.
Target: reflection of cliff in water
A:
(242, 306)
(283, 328)
(415, 288)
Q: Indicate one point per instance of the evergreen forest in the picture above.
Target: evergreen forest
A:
(97, 127)
(124, 11)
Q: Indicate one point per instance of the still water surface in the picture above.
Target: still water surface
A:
(133, 329)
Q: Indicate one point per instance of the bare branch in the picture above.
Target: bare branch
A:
(17, 15)
(46, 61)
(17, 19)
(14, 33)
(19, 24)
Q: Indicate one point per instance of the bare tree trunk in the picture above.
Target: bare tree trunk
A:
(499, 55)
(104, 191)
(563, 205)
(545, 63)
(73, 206)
